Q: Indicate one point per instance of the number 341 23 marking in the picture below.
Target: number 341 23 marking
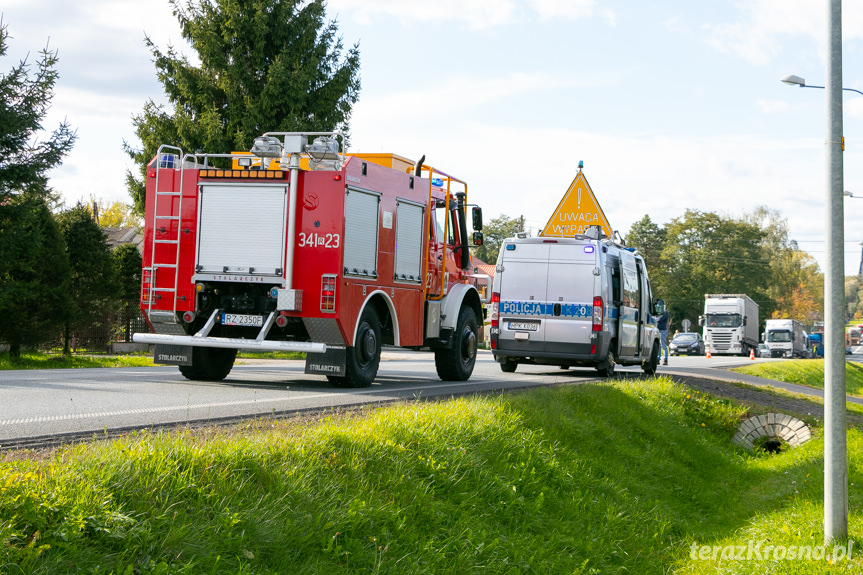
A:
(319, 240)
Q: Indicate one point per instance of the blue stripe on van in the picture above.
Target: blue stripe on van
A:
(542, 308)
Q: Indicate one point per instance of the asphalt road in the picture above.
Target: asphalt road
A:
(37, 403)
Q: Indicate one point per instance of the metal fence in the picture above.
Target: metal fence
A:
(103, 333)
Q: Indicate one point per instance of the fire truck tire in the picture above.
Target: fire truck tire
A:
(456, 363)
(508, 365)
(364, 357)
(209, 364)
(650, 365)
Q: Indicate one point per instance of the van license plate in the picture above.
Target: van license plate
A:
(242, 319)
(524, 325)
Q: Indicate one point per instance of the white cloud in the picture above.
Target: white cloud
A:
(773, 106)
(568, 9)
(757, 35)
(477, 14)
(458, 95)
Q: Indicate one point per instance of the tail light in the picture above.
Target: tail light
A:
(495, 309)
(598, 314)
(328, 293)
(495, 318)
(146, 284)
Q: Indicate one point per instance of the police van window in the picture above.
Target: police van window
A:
(615, 284)
(630, 288)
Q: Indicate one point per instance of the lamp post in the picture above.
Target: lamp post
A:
(835, 446)
(850, 195)
(793, 80)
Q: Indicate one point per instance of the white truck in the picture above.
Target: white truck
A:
(786, 338)
(730, 323)
(582, 301)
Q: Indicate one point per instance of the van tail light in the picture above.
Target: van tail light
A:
(495, 318)
(598, 314)
(495, 309)
(146, 284)
(328, 292)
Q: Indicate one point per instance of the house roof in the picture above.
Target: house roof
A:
(125, 235)
(483, 267)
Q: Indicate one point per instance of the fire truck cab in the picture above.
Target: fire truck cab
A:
(297, 246)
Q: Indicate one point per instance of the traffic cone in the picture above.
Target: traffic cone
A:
(708, 352)
(752, 354)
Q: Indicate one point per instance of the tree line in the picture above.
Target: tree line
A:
(275, 66)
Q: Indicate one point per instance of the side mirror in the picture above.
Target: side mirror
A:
(476, 214)
(478, 239)
(701, 320)
(744, 320)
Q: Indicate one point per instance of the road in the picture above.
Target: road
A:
(37, 403)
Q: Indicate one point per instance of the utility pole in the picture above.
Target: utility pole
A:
(835, 448)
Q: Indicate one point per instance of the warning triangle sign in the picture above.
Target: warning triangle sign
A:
(576, 212)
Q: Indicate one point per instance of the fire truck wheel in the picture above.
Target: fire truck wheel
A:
(456, 363)
(364, 356)
(507, 365)
(209, 364)
(650, 365)
(606, 368)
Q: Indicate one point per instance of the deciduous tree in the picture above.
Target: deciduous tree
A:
(495, 232)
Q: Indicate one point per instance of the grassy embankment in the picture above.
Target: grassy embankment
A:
(805, 372)
(40, 360)
(620, 477)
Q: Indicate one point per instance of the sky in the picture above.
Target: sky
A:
(671, 105)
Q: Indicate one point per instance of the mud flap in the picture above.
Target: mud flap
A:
(172, 354)
(331, 362)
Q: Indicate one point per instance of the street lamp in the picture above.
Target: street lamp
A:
(835, 440)
(850, 195)
(793, 80)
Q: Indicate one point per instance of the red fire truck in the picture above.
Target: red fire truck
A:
(297, 246)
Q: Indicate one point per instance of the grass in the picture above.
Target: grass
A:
(620, 477)
(40, 360)
(805, 372)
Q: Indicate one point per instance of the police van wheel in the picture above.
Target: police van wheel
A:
(651, 364)
(606, 368)
(456, 363)
(209, 364)
(364, 357)
(508, 365)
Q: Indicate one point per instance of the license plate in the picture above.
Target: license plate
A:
(524, 325)
(242, 319)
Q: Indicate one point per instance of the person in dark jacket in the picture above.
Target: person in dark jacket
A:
(662, 326)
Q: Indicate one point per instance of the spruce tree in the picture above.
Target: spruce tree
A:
(265, 66)
(34, 268)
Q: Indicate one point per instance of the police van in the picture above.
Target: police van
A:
(581, 301)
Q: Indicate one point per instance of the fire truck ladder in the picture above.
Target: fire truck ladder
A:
(166, 162)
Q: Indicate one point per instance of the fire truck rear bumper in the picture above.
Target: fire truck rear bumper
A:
(230, 343)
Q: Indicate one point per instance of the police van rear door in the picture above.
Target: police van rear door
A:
(522, 295)
(572, 285)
